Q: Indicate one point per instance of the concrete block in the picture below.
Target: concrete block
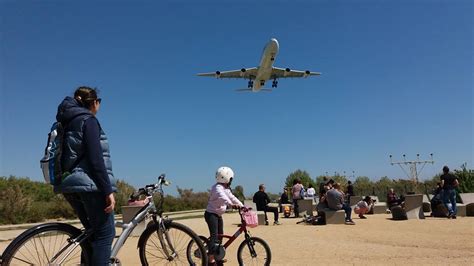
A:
(261, 217)
(470, 209)
(306, 206)
(380, 208)
(413, 206)
(461, 209)
(334, 217)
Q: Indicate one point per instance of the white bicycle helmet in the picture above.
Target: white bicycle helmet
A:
(224, 175)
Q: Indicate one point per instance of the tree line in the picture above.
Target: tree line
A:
(364, 186)
(25, 201)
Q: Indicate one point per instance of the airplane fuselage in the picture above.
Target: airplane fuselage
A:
(266, 63)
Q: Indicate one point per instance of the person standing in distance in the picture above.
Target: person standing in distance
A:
(89, 183)
(449, 182)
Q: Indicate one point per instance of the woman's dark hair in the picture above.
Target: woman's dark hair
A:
(86, 96)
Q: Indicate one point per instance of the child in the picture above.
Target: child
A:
(219, 198)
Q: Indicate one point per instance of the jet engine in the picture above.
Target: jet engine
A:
(242, 72)
(306, 74)
(287, 71)
(218, 74)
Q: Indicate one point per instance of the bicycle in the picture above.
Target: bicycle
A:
(251, 251)
(163, 241)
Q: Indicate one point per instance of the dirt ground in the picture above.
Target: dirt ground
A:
(374, 241)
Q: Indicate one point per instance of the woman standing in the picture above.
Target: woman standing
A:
(88, 183)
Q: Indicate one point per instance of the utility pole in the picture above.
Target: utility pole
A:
(412, 165)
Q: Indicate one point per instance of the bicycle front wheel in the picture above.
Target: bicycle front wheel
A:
(171, 246)
(46, 244)
(254, 251)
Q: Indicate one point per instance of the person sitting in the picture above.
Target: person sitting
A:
(436, 201)
(261, 199)
(335, 201)
(363, 207)
(311, 192)
(392, 199)
(284, 199)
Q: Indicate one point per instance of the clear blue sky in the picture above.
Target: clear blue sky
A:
(397, 78)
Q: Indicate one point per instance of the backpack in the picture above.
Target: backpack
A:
(51, 161)
(302, 193)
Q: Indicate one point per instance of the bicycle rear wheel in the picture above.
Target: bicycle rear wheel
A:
(41, 245)
(254, 251)
(173, 247)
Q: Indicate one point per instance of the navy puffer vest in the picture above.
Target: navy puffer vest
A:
(73, 115)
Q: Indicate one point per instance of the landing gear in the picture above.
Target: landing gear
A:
(275, 83)
(250, 85)
(262, 82)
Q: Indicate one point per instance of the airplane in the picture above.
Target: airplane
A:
(265, 71)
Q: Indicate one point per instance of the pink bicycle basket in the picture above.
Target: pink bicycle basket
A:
(250, 218)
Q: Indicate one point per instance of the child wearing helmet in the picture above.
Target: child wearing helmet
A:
(219, 198)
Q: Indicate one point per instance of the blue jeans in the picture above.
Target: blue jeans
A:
(89, 206)
(449, 195)
(348, 210)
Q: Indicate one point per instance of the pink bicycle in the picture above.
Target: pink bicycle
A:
(251, 251)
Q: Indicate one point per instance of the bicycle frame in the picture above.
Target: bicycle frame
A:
(231, 239)
(127, 229)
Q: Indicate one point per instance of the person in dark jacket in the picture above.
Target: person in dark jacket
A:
(449, 182)
(261, 199)
(88, 183)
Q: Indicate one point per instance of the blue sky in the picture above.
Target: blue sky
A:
(396, 79)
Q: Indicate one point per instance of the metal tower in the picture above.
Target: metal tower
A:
(412, 165)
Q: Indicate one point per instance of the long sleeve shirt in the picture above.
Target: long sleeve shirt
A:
(219, 198)
(93, 152)
(261, 199)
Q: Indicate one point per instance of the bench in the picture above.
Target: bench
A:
(261, 217)
(306, 206)
(333, 217)
(467, 206)
(412, 208)
(426, 204)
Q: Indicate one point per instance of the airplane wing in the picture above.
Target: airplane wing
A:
(289, 73)
(245, 73)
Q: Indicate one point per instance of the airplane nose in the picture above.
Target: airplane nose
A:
(275, 42)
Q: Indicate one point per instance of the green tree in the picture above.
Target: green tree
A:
(301, 175)
(363, 186)
(466, 179)
(15, 205)
(238, 192)
(124, 190)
